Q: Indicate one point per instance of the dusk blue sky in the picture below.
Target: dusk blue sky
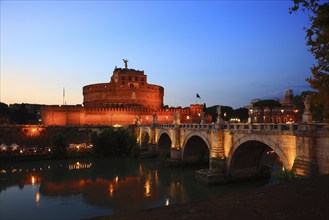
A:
(228, 52)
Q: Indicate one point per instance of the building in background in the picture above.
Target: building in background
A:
(283, 112)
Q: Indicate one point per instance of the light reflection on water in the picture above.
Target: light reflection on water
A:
(89, 188)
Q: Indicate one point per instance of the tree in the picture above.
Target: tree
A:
(227, 113)
(271, 103)
(113, 142)
(105, 143)
(59, 146)
(4, 113)
(241, 113)
(317, 38)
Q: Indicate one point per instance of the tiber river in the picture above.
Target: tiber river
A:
(75, 189)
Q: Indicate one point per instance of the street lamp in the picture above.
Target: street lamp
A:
(251, 115)
(295, 118)
(282, 110)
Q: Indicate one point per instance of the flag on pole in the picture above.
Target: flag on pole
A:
(197, 97)
(63, 96)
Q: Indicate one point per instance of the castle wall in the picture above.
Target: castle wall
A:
(62, 115)
(79, 115)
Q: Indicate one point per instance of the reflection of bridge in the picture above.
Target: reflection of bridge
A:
(239, 149)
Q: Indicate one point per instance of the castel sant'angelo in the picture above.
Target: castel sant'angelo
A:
(127, 99)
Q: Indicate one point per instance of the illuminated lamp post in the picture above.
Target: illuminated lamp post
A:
(295, 111)
(33, 131)
(282, 115)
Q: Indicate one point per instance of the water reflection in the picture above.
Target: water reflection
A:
(37, 197)
(78, 165)
(167, 202)
(115, 185)
(147, 186)
(98, 182)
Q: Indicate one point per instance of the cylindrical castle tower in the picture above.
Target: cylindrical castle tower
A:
(127, 88)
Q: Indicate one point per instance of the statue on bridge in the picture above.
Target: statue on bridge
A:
(307, 115)
(307, 103)
(218, 114)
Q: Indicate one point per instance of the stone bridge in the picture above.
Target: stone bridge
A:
(243, 150)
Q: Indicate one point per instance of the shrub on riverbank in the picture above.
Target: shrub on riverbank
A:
(114, 142)
(284, 176)
(59, 144)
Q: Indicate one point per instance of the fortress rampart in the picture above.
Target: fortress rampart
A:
(79, 115)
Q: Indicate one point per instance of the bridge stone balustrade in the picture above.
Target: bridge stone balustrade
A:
(235, 150)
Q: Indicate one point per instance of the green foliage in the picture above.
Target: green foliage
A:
(224, 110)
(229, 112)
(317, 38)
(105, 143)
(284, 176)
(241, 113)
(59, 146)
(126, 142)
(267, 103)
(114, 142)
(4, 112)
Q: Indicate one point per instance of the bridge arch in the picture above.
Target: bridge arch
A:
(196, 148)
(250, 151)
(164, 143)
(145, 138)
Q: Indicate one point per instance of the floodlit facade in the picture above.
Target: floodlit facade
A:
(127, 99)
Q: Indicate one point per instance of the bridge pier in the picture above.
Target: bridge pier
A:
(305, 163)
(217, 165)
(176, 154)
(216, 173)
